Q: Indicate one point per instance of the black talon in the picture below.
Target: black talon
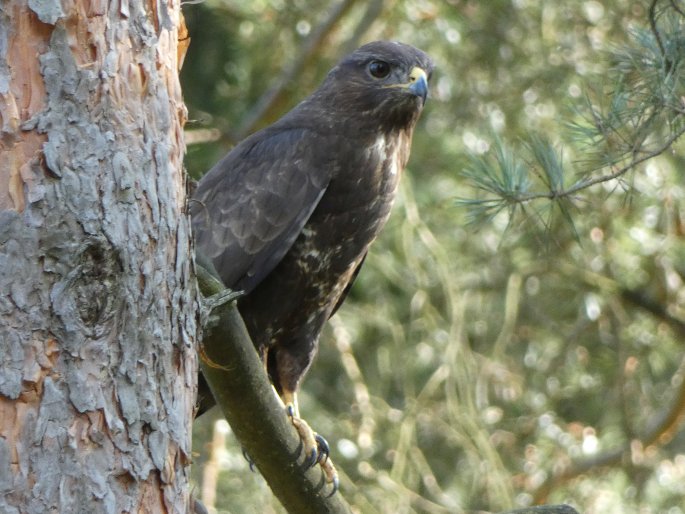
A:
(336, 485)
(311, 460)
(324, 450)
(249, 460)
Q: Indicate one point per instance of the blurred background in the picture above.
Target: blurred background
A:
(485, 359)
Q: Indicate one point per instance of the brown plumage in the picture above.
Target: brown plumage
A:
(289, 214)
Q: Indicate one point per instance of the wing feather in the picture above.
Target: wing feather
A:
(249, 209)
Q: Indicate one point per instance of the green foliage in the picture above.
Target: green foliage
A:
(635, 115)
(500, 176)
(536, 355)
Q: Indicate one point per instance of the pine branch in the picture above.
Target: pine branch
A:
(645, 117)
(618, 173)
(242, 389)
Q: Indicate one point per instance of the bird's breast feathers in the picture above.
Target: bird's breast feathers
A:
(350, 215)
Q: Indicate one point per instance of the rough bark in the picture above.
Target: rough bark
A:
(97, 307)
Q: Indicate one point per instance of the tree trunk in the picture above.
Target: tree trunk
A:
(97, 306)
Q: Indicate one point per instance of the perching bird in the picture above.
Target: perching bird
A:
(289, 214)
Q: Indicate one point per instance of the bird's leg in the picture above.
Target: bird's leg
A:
(303, 429)
(315, 446)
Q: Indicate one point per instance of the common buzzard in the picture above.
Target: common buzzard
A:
(289, 214)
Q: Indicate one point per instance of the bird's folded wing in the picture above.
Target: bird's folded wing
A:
(251, 206)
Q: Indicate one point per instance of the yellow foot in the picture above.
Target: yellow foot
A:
(315, 448)
(307, 436)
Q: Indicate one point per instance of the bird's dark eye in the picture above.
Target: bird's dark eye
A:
(379, 69)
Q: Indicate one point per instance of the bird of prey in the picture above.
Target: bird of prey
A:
(288, 215)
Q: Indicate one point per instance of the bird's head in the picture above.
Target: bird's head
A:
(383, 83)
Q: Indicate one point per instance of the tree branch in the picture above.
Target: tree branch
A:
(651, 305)
(374, 9)
(617, 173)
(659, 433)
(274, 94)
(242, 389)
(545, 509)
(644, 103)
(655, 29)
(665, 423)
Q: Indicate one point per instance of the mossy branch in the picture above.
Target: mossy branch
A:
(242, 390)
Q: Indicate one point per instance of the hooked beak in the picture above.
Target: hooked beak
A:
(418, 83)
